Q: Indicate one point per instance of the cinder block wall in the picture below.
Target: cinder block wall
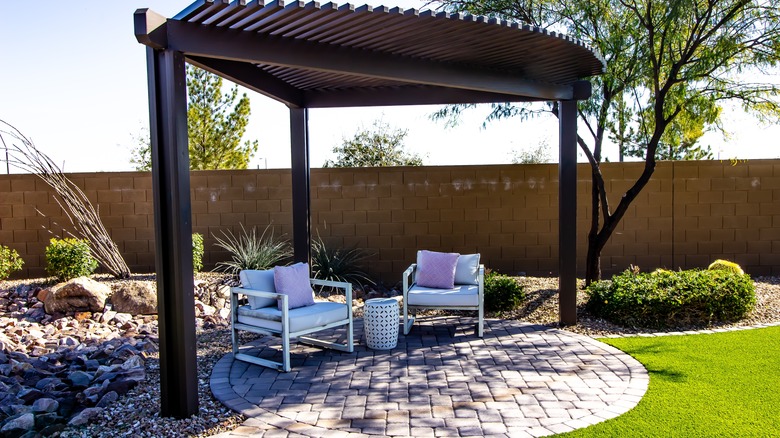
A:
(689, 214)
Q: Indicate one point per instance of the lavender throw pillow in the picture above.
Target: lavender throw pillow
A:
(293, 281)
(436, 269)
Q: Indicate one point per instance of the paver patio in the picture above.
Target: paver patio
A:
(441, 380)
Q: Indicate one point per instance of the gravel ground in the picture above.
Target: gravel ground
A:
(137, 415)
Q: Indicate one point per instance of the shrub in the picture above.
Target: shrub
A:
(726, 265)
(502, 292)
(338, 264)
(666, 298)
(69, 258)
(248, 251)
(9, 261)
(197, 252)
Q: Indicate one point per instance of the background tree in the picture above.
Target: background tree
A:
(670, 63)
(538, 154)
(216, 123)
(379, 146)
(141, 154)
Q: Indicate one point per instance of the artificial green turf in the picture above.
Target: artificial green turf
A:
(723, 384)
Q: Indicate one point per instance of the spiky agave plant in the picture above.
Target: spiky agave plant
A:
(338, 264)
(248, 251)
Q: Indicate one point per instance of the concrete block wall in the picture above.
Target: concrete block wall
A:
(689, 214)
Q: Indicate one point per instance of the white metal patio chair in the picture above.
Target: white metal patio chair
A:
(467, 292)
(262, 315)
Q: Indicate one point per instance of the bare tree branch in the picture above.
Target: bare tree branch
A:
(23, 155)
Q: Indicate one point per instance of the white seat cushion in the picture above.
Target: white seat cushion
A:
(459, 296)
(302, 318)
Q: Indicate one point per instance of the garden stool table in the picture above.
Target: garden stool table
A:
(380, 322)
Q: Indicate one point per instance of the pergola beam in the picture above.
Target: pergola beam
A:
(402, 95)
(253, 78)
(196, 40)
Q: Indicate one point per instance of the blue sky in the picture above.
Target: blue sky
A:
(73, 78)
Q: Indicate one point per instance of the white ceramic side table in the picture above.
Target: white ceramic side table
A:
(380, 322)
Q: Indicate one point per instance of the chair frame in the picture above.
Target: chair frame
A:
(409, 278)
(285, 334)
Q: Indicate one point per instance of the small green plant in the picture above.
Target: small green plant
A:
(502, 292)
(9, 261)
(666, 298)
(197, 252)
(248, 251)
(69, 258)
(725, 265)
(338, 264)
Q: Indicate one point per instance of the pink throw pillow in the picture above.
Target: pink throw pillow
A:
(436, 269)
(293, 281)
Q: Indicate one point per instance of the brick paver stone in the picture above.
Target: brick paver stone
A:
(441, 380)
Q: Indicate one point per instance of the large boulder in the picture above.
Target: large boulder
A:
(135, 298)
(80, 294)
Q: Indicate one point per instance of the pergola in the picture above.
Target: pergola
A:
(321, 56)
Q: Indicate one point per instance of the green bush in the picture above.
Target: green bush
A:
(9, 261)
(338, 264)
(197, 252)
(502, 292)
(69, 258)
(248, 251)
(666, 298)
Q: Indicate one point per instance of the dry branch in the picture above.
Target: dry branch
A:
(22, 154)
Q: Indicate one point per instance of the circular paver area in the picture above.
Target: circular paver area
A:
(519, 380)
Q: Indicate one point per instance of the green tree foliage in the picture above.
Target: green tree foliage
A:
(216, 123)
(670, 64)
(538, 154)
(379, 146)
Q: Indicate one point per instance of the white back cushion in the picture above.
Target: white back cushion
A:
(258, 280)
(467, 269)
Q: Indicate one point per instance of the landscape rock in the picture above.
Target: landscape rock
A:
(135, 298)
(85, 416)
(45, 405)
(64, 367)
(80, 294)
(23, 422)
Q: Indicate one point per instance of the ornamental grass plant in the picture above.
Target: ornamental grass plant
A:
(250, 251)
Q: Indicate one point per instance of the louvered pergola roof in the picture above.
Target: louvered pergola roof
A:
(312, 55)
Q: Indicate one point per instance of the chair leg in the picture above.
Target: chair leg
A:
(408, 322)
(481, 323)
(350, 338)
(286, 352)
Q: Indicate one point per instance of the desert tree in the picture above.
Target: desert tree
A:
(670, 66)
(216, 124)
(378, 146)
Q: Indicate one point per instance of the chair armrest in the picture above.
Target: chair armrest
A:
(408, 277)
(255, 293)
(337, 284)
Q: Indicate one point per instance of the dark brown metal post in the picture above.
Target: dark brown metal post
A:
(301, 186)
(567, 212)
(173, 233)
